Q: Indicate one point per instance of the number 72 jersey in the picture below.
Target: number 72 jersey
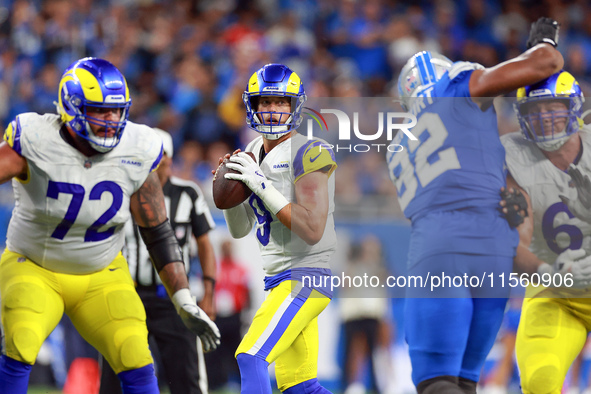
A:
(70, 211)
(457, 160)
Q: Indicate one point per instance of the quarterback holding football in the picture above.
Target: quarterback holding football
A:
(292, 183)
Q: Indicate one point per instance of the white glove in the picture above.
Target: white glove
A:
(581, 206)
(196, 320)
(253, 177)
(576, 263)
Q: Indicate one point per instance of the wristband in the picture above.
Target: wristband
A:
(273, 199)
(182, 297)
(209, 278)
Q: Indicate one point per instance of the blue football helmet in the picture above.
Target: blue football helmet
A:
(539, 127)
(274, 80)
(93, 82)
(420, 72)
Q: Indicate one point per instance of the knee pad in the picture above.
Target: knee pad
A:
(468, 386)
(24, 336)
(254, 375)
(128, 348)
(139, 381)
(133, 352)
(542, 377)
(440, 385)
(311, 386)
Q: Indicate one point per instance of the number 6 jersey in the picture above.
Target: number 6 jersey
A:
(555, 227)
(70, 211)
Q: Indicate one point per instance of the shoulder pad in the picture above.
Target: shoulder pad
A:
(314, 155)
(520, 157)
(12, 135)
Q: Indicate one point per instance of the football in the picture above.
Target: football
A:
(228, 193)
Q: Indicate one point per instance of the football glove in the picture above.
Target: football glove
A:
(515, 206)
(196, 320)
(251, 174)
(575, 262)
(581, 206)
(543, 30)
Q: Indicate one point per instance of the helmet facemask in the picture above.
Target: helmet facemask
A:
(91, 86)
(549, 129)
(270, 129)
(83, 120)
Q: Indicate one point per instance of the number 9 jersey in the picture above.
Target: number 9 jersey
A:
(284, 165)
(71, 209)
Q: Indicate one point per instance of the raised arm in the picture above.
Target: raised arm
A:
(532, 66)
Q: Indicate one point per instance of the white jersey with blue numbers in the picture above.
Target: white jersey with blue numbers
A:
(555, 227)
(70, 212)
(284, 165)
(457, 160)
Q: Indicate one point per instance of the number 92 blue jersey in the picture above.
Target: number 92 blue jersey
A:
(457, 161)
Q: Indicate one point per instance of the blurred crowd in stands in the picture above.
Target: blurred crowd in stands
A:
(187, 61)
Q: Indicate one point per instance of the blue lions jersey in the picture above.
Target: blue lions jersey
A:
(456, 164)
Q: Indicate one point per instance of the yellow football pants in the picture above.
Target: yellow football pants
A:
(103, 306)
(285, 331)
(551, 333)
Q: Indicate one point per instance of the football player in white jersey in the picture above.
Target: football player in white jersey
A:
(292, 206)
(77, 178)
(554, 321)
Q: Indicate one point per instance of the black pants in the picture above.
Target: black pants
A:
(176, 346)
(355, 330)
(223, 358)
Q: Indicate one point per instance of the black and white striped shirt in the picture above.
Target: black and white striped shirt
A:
(189, 215)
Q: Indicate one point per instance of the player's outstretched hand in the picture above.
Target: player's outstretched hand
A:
(543, 30)
(575, 262)
(249, 172)
(196, 320)
(513, 205)
(581, 206)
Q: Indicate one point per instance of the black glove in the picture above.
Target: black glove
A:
(543, 30)
(515, 206)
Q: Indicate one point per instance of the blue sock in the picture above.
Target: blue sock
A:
(139, 381)
(14, 376)
(254, 375)
(308, 387)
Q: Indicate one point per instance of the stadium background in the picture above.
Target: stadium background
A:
(187, 63)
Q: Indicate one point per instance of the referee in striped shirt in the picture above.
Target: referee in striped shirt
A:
(182, 360)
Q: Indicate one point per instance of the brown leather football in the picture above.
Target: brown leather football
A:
(228, 193)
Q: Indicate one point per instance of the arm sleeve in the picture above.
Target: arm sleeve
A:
(240, 220)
